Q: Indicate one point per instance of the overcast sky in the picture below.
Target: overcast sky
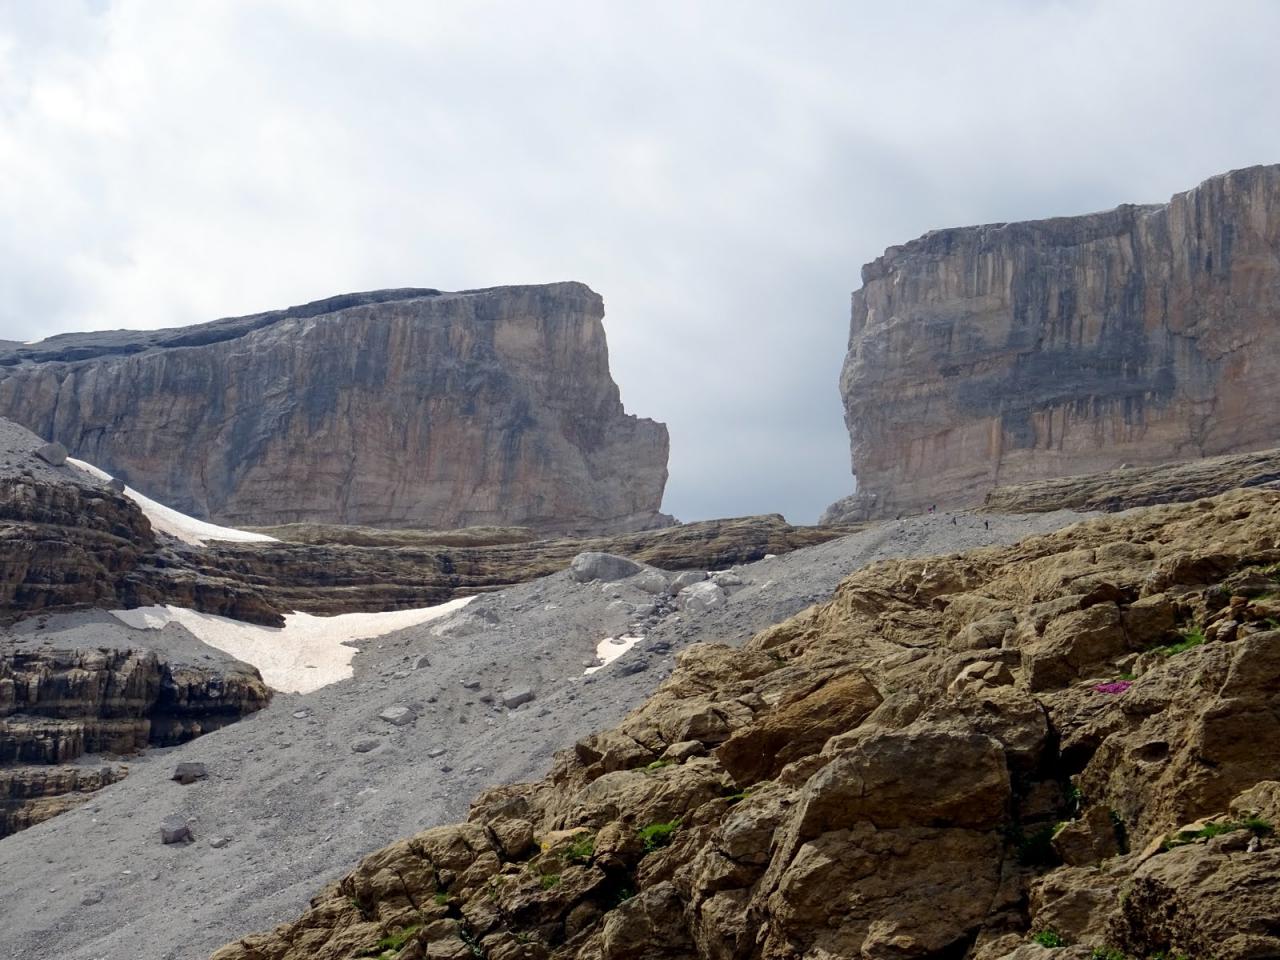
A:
(717, 171)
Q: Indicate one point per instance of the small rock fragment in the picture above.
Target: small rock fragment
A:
(398, 716)
(365, 745)
(175, 830)
(189, 772)
(516, 696)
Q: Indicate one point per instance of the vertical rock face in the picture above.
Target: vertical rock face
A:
(400, 407)
(1012, 352)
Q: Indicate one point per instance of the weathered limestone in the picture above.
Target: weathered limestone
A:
(393, 408)
(854, 782)
(1006, 353)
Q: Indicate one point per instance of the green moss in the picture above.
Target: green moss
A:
(1193, 636)
(658, 835)
(550, 881)
(442, 899)
(659, 764)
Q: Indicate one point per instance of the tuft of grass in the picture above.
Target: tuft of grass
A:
(442, 899)
(1049, 938)
(1108, 953)
(1255, 825)
(1129, 677)
(657, 835)
(581, 850)
(659, 764)
(739, 796)
(392, 943)
(550, 881)
(1193, 636)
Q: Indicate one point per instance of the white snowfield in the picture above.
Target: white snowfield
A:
(610, 649)
(170, 521)
(307, 653)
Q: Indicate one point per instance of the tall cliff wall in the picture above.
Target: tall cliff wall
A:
(393, 408)
(1012, 352)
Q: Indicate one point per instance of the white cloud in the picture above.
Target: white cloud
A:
(718, 171)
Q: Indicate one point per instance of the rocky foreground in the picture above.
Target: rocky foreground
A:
(1071, 744)
(409, 407)
(1013, 352)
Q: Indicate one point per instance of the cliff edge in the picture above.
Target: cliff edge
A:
(405, 407)
(1012, 352)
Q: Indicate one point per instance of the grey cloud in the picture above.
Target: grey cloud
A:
(718, 171)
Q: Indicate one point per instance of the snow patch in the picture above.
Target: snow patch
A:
(170, 521)
(307, 653)
(610, 649)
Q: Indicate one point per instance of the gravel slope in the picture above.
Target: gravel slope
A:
(300, 805)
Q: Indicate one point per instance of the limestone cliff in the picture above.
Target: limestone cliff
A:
(394, 408)
(1011, 352)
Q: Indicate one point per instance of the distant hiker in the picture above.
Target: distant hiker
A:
(953, 521)
(986, 524)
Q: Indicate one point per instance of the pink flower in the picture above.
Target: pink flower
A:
(1118, 686)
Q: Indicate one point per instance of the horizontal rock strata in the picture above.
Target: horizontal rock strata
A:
(1007, 353)
(1140, 486)
(393, 408)
(59, 705)
(1070, 741)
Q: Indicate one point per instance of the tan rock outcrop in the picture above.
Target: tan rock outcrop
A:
(1001, 354)
(394, 408)
(953, 801)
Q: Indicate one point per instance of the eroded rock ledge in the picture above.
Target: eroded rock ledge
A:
(1074, 738)
(1013, 352)
(58, 705)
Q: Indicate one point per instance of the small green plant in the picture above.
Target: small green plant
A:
(1258, 827)
(739, 796)
(659, 764)
(442, 899)
(1049, 938)
(1255, 825)
(550, 881)
(468, 938)
(1193, 636)
(657, 835)
(394, 942)
(1128, 677)
(1035, 849)
(1075, 801)
(581, 850)
(1108, 953)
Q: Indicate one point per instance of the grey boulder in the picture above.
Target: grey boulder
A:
(54, 454)
(189, 772)
(687, 579)
(701, 597)
(514, 698)
(602, 566)
(398, 716)
(175, 830)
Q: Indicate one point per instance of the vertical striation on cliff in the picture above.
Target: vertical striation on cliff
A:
(394, 408)
(1012, 352)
